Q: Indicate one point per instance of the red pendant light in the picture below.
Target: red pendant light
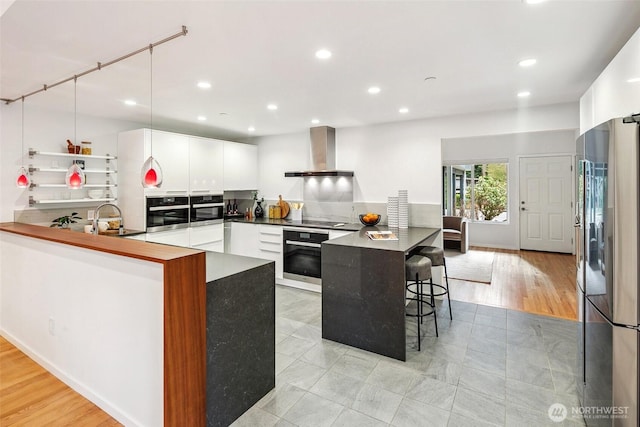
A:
(75, 177)
(23, 180)
(151, 173)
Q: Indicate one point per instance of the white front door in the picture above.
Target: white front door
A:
(546, 210)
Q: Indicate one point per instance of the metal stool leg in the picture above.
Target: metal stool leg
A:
(419, 306)
(433, 304)
(446, 278)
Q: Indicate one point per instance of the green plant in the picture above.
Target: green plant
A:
(65, 220)
(490, 196)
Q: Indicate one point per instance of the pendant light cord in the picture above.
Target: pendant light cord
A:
(75, 115)
(22, 144)
(151, 99)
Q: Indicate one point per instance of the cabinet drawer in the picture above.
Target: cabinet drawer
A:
(274, 247)
(207, 234)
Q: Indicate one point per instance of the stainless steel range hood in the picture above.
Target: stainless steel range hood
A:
(323, 154)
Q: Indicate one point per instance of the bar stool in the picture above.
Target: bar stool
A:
(436, 255)
(419, 267)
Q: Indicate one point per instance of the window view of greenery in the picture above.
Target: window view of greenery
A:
(477, 192)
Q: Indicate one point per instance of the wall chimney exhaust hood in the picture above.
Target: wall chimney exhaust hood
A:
(323, 154)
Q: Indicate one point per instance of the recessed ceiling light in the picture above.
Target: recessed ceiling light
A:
(204, 85)
(523, 94)
(527, 62)
(403, 110)
(251, 129)
(202, 118)
(315, 121)
(634, 80)
(534, 1)
(130, 102)
(272, 107)
(323, 54)
(373, 90)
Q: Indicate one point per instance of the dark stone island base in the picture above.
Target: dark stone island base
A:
(240, 334)
(363, 289)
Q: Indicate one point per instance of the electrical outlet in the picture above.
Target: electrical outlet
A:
(52, 326)
(90, 214)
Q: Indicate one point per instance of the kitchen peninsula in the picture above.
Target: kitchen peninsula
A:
(153, 334)
(363, 289)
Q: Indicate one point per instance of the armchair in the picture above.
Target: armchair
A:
(454, 229)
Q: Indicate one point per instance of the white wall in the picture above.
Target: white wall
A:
(404, 155)
(46, 130)
(611, 96)
(507, 148)
(106, 312)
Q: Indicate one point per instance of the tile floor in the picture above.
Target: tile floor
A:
(490, 366)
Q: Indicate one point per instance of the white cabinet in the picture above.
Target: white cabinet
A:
(171, 150)
(258, 241)
(207, 237)
(240, 166)
(270, 245)
(206, 165)
(179, 237)
(243, 239)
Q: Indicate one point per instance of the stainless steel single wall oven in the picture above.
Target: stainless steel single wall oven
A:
(166, 213)
(206, 210)
(302, 249)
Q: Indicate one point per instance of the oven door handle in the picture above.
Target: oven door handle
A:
(167, 208)
(206, 205)
(309, 245)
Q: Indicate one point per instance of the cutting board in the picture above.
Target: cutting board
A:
(284, 207)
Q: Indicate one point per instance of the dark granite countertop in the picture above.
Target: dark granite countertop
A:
(220, 265)
(329, 225)
(408, 238)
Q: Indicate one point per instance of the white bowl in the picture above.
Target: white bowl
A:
(95, 194)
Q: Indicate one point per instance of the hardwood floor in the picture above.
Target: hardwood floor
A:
(31, 396)
(535, 282)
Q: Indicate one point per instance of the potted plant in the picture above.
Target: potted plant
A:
(65, 221)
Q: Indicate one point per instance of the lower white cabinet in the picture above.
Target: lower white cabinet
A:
(179, 237)
(270, 245)
(243, 239)
(258, 241)
(207, 237)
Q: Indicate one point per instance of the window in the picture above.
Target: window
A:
(477, 191)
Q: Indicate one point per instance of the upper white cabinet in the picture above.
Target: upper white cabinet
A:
(171, 150)
(240, 166)
(205, 165)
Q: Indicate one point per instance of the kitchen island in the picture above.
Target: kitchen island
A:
(363, 289)
(140, 329)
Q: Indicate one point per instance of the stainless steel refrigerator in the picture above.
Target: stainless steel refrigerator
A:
(607, 280)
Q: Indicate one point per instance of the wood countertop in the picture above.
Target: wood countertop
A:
(117, 246)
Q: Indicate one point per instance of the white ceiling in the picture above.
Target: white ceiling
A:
(261, 52)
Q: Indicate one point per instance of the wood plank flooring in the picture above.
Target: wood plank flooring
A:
(31, 396)
(535, 282)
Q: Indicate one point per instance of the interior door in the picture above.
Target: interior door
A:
(546, 210)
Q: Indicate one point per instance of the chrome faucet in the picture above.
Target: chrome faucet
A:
(96, 217)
